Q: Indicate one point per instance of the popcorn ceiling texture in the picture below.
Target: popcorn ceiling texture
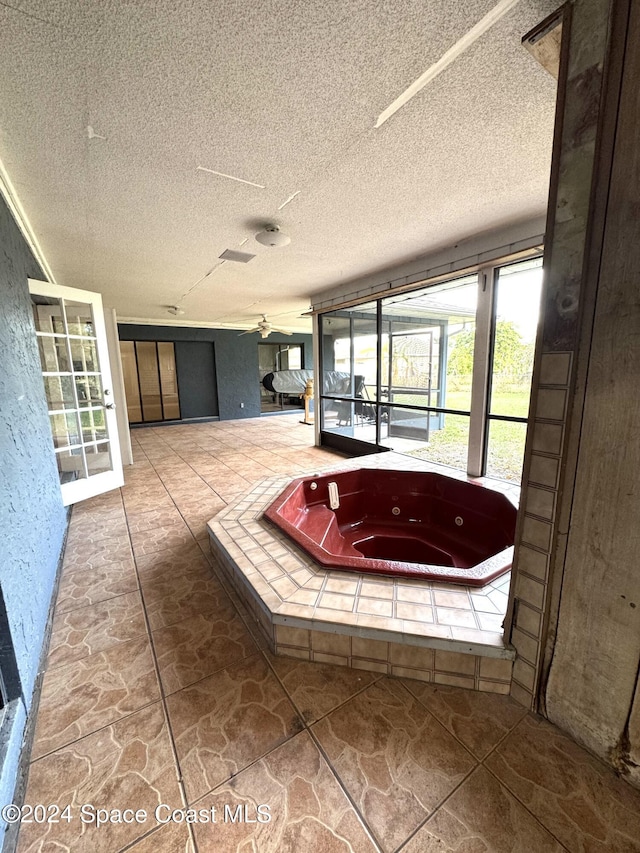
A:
(285, 94)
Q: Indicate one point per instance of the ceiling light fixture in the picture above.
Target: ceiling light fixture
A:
(484, 24)
(272, 236)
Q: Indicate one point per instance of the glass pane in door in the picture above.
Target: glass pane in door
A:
(98, 458)
(48, 316)
(73, 354)
(276, 358)
(79, 318)
(54, 354)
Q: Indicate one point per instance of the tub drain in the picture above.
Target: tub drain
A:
(395, 510)
(459, 520)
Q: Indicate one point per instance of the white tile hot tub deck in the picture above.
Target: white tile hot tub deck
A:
(442, 632)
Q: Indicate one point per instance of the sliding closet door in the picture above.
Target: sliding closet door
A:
(168, 380)
(151, 385)
(131, 386)
(149, 379)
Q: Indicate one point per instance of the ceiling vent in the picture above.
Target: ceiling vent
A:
(239, 257)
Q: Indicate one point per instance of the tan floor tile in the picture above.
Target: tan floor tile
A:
(150, 486)
(226, 721)
(482, 817)
(578, 799)
(91, 555)
(159, 565)
(229, 493)
(174, 536)
(308, 809)
(86, 531)
(79, 588)
(316, 689)
(106, 501)
(171, 838)
(127, 765)
(200, 646)
(144, 503)
(154, 518)
(479, 720)
(87, 520)
(394, 758)
(198, 528)
(91, 629)
(185, 495)
(171, 599)
(83, 696)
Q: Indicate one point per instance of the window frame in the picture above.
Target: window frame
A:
(480, 417)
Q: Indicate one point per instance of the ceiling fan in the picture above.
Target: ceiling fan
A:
(265, 328)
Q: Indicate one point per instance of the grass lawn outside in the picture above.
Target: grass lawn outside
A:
(506, 440)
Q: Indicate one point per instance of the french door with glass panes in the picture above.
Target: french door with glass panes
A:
(74, 358)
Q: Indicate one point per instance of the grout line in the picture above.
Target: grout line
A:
(159, 443)
(165, 711)
(346, 792)
(93, 604)
(506, 786)
(306, 726)
(525, 807)
(437, 808)
(93, 731)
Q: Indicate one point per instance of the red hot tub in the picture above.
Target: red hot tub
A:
(411, 524)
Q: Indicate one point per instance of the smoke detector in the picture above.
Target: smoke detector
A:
(271, 235)
(175, 310)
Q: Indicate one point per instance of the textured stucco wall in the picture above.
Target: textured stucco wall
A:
(236, 360)
(32, 518)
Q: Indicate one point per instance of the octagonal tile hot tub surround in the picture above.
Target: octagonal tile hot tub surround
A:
(413, 524)
(399, 626)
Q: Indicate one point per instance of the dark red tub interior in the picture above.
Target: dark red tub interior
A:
(413, 524)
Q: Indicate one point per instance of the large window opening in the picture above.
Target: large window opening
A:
(442, 373)
(273, 358)
(513, 335)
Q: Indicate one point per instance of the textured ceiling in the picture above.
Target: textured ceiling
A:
(284, 94)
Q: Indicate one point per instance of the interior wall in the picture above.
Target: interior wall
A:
(236, 361)
(32, 518)
(197, 383)
(593, 677)
(557, 392)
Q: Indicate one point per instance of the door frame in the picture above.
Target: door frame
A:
(94, 484)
